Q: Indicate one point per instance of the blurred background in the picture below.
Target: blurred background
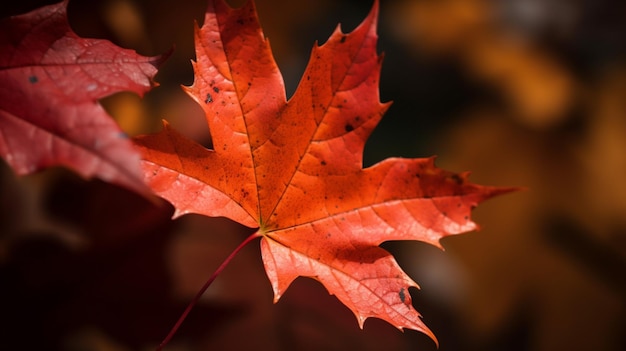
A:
(520, 92)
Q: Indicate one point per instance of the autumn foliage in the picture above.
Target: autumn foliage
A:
(49, 110)
(292, 168)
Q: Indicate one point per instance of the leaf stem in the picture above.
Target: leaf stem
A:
(206, 285)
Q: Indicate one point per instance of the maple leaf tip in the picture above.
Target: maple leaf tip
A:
(370, 21)
(373, 15)
(493, 191)
(431, 335)
(277, 292)
(374, 10)
(160, 59)
(165, 123)
(424, 330)
(361, 320)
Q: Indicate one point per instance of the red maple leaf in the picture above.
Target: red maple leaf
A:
(51, 81)
(294, 168)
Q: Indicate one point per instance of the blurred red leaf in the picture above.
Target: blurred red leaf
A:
(294, 168)
(49, 113)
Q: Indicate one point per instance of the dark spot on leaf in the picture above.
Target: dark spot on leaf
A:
(216, 89)
(343, 39)
(240, 21)
(349, 127)
(249, 83)
(208, 99)
(33, 79)
(323, 163)
(308, 77)
(402, 295)
(212, 82)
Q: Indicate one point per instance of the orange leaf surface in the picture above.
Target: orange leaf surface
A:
(294, 168)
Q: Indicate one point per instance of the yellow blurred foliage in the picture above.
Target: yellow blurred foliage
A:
(537, 87)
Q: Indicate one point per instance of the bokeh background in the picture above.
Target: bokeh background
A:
(521, 92)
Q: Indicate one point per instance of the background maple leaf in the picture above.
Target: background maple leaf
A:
(49, 110)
